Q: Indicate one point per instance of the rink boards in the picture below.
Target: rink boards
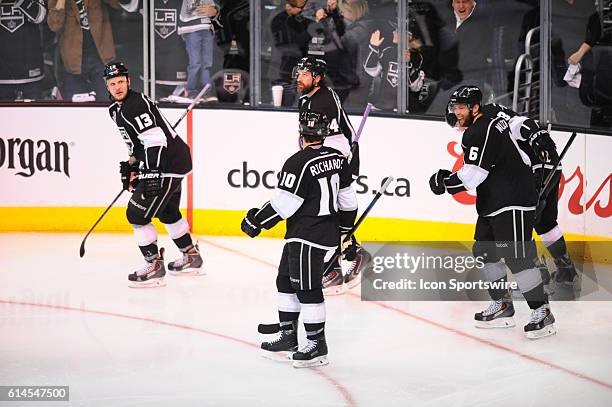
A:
(59, 169)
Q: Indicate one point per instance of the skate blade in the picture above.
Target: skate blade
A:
(153, 283)
(542, 333)
(336, 290)
(283, 356)
(507, 322)
(318, 361)
(188, 272)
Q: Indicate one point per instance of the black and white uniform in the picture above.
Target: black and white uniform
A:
(151, 140)
(522, 129)
(383, 66)
(21, 50)
(342, 134)
(315, 196)
(506, 201)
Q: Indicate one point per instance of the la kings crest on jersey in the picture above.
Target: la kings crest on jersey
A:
(20, 42)
(11, 18)
(124, 134)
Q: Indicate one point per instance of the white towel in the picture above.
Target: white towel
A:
(573, 76)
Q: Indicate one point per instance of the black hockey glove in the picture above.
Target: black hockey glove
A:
(152, 182)
(348, 249)
(129, 173)
(436, 182)
(249, 224)
(543, 146)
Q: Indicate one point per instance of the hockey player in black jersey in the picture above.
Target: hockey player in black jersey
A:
(506, 200)
(316, 96)
(160, 159)
(316, 197)
(542, 153)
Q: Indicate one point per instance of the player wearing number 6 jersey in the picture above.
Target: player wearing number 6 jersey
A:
(161, 159)
(315, 196)
(505, 201)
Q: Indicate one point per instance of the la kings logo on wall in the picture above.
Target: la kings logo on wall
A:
(231, 82)
(165, 22)
(11, 19)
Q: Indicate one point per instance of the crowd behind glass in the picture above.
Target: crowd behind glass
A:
(54, 50)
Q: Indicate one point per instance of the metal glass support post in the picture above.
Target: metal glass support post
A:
(545, 76)
(145, 48)
(255, 48)
(402, 27)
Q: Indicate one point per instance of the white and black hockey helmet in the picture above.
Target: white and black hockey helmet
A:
(115, 69)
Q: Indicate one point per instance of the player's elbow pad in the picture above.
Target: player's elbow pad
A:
(472, 175)
(154, 137)
(285, 203)
(347, 199)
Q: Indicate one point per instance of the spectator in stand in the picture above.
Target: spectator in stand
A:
(196, 27)
(86, 44)
(352, 81)
(595, 57)
(290, 44)
(383, 66)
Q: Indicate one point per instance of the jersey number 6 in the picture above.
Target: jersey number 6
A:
(473, 153)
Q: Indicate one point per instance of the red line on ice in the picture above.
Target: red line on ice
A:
(335, 384)
(439, 325)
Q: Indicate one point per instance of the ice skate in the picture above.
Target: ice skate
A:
(282, 346)
(151, 274)
(189, 265)
(312, 355)
(357, 268)
(499, 314)
(333, 282)
(541, 323)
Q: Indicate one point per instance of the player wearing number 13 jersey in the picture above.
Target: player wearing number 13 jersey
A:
(160, 159)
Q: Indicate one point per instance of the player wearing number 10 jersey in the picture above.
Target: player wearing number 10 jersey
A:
(315, 196)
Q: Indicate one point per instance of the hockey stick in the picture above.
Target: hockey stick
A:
(82, 248)
(274, 328)
(189, 108)
(548, 183)
(366, 113)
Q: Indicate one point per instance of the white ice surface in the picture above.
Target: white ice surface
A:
(71, 321)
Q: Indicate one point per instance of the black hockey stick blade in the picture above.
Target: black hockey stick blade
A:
(268, 329)
(82, 248)
(351, 232)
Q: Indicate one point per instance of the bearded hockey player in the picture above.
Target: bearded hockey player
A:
(506, 202)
